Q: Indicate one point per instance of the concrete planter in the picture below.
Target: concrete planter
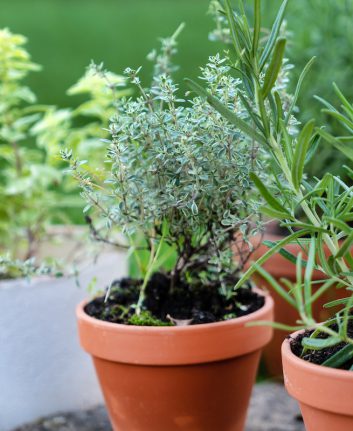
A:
(42, 368)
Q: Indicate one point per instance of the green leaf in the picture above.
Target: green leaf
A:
(283, 252)
(308, 276)
(339, 358)
(233, 27)
(339, 224)
(345, 102)
(336, 302)
(300, 153)
(274, 67)
(275, 285)
(269, 198)
(257, 27)
(320, 343)
(276, 325)
(274, 34)
(225, 112)
(298, 87)
(268, 254)
(343, 147)
(346, 246)
(340, 117)
(270, 212)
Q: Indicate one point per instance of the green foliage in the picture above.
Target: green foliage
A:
(10, 268)
(180, 173)
(32, 185)
(318, 208)
(24, 178)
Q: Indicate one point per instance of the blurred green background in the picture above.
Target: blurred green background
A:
(64, 35)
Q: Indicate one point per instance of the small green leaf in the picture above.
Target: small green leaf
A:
(285, 253)
(300, 153)
(270, 212)
(274, 34)
(320, 343)
(339, 358)
(257, 27)
(345, 102)
(298, 87)
(269, 198)
(233, 27)
(343, 147)
(337, 302)
(275, 285)
(274, 67)
(268, 254)
(346, 246)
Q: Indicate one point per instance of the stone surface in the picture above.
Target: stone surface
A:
(271, 409)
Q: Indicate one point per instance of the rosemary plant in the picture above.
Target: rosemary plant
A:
(316, 211)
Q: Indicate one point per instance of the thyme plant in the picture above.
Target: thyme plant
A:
(316, 211)
(179, 175)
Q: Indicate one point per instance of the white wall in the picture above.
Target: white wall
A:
(42, 367)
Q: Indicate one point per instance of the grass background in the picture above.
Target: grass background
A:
(65, 35)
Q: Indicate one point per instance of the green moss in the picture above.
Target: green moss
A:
(145, 318)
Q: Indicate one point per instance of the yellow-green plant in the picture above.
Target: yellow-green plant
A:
(33, 188)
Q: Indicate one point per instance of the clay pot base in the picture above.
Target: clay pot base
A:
(201, 397)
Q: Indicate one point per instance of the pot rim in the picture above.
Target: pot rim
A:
(81, 314)
(309, 366)
(174, 345)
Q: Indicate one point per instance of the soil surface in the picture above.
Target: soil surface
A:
(320, 356)
(271, 409)
(164, 306)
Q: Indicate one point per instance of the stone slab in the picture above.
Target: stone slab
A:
(271, 409)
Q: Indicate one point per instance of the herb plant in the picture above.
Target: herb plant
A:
(324, 205)
(33, 189)
(179, 180)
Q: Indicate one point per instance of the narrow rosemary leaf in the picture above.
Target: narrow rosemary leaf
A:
(257, 27)
(320, 343)
(268, 254)
(223, 110)
(269, 198)
(336, 302)
(340, 358)
(274, 67)
(300, 153)
(285, 253)
(298, 87)
(346, 246)
(274, 34)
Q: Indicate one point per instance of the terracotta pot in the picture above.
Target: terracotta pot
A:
(191, 378)
(279, 267)
(325, 394)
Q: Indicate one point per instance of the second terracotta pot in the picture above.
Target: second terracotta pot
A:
(194, 378)
(325, 395)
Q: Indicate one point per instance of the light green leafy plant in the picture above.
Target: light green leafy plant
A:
(180, 175)
(33, 189)
(25, 178)
(325, 205)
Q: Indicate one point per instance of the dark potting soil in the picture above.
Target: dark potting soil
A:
(199, 305)
(320, 356)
